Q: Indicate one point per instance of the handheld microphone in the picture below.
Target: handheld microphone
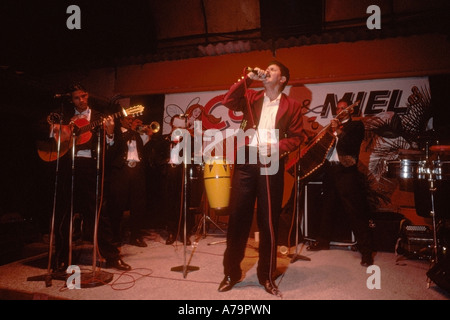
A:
(61, 95)
(249, 69)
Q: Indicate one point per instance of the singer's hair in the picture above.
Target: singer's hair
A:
(284, 71)
(76, 87)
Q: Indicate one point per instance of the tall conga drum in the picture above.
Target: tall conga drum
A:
(217, 177)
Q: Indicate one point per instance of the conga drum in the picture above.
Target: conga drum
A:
(217, 177)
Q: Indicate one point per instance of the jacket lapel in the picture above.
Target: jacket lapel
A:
(282, 109)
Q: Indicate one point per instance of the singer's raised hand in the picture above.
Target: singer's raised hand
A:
(256, 73)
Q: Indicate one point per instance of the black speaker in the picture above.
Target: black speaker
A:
(440, 274)
(386, 229)
(312, 203)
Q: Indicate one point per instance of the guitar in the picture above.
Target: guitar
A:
(313, 155)
(82, 129)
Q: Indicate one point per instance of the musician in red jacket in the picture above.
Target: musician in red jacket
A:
(343, 185)
(278, 119)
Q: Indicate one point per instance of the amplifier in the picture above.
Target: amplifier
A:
(417, 241)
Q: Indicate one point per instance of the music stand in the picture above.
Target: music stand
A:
(295, 256)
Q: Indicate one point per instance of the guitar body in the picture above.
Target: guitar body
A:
(48, 149)
(82, 137)
(81, 127)
(313, 156)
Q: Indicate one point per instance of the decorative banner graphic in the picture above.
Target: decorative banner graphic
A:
(396, 114)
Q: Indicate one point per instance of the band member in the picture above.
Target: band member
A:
(82, 178)
(343, 185)
(127, 178)
(268, 109)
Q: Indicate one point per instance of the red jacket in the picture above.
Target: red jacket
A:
(289, 120)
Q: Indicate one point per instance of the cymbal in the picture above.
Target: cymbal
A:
(440, 148)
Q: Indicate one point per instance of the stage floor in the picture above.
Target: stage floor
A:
(179, 273)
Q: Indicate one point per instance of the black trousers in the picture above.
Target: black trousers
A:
(85, 194)
(344, 188)
(128, 192)
(250, 186)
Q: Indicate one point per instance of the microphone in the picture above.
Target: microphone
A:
(61, 95)
(249, 69)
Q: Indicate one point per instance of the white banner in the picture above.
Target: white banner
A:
(376, 98)
(395, 112)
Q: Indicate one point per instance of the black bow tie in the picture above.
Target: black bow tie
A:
(129, 135)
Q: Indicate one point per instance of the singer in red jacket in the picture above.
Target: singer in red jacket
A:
(278, 120)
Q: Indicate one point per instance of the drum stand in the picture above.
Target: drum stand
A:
(435, 258)
(294, 257)
(202, 224)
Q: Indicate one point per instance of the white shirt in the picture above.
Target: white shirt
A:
(333, 151)
(132, 148)
(266, 126)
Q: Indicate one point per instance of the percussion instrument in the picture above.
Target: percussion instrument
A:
(440, 149)
(217, 177)
(414, 164)
(406, 166)
(437, 169)
(402, 168)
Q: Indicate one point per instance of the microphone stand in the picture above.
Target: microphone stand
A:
(294, 257)
(96, 277)
(47, 278)
(185, 267)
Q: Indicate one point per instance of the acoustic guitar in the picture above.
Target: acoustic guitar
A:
(81, 128)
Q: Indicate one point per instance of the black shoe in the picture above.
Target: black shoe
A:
(317, 246)
(270, 287)
(367, 260)
(227, 284)
(170, 239)
(118, 264)
(138, 242)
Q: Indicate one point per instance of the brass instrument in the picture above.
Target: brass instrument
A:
(154, 126)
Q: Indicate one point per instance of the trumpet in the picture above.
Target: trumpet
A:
(154, 126)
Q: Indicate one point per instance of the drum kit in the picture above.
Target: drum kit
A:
(429, 170)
